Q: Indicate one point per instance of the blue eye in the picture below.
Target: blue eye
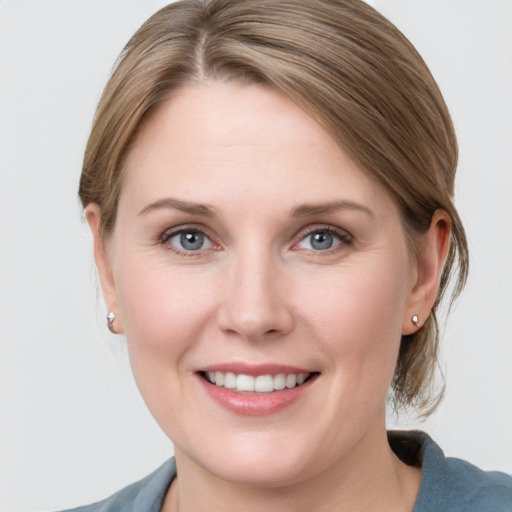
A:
(322, 240)
(189, 240)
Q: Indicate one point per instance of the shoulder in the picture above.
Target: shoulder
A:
(451, 484)
(146, 494)
(477, 489)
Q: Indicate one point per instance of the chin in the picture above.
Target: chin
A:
(258, 462)
(264, 473)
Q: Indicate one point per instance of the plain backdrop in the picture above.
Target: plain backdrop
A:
(72, 425)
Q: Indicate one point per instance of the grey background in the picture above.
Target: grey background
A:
(72, 425)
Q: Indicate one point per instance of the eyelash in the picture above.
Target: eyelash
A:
(170, 233)
(345, 239)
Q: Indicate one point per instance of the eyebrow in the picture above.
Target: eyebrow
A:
(184, 206)
(302, 210)
(309, 210)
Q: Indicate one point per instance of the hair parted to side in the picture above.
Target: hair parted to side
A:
(345, 65)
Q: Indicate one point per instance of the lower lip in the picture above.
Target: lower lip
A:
(255, 404)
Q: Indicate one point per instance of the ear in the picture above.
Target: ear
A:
(431, 256)
(103, 263)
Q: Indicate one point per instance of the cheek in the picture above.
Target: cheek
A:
(164, 313)
(357, 316)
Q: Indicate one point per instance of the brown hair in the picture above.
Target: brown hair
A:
(344, 64)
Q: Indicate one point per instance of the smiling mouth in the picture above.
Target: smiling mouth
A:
(243, 383)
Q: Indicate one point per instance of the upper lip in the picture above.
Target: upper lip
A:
(254, 369)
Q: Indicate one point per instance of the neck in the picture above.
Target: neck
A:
(369, 478)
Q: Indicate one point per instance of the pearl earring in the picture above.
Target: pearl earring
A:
(415, 320)
(111, 316)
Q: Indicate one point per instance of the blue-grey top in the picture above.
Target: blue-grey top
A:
(447, 484)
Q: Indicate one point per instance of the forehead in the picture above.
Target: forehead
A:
(225, 139)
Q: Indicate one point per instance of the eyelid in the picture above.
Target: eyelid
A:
(171, 232)
(343, 235)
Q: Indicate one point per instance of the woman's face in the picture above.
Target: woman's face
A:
(250, 249)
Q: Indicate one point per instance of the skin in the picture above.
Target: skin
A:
(258, 291)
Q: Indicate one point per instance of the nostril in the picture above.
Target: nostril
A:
(254, 311)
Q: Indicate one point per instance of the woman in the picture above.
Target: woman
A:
(269, 186)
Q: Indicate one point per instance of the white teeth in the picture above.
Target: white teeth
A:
(301, 378)
(291, 380)
(230, 380)
(259, 384)
(244, 383)
(264, 384)
(280, 381)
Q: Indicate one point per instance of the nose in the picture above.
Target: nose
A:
(255, 304)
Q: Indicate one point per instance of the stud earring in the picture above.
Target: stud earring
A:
(415, 320)
(111, 316)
